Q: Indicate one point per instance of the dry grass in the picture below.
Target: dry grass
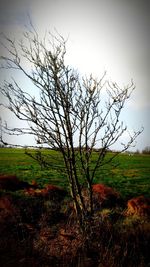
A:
(44, 233)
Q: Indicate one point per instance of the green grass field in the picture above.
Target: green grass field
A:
(130, 175)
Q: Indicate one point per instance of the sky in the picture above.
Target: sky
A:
(103, 35)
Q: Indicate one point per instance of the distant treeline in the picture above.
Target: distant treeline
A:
(146, 150)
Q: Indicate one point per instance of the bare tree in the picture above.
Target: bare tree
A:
(67, 112)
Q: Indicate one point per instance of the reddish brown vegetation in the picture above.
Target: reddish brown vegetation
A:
(63, 242)
(139, 206)
(105, 196)
(35, 231)
(7, 208)
(48, 191)
(12, 183)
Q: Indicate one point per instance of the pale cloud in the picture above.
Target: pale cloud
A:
(13, 12)
(103, 35)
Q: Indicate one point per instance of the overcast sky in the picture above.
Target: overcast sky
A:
(111, 35)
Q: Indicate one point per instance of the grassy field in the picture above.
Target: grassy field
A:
(128, 174)
(44, 231)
